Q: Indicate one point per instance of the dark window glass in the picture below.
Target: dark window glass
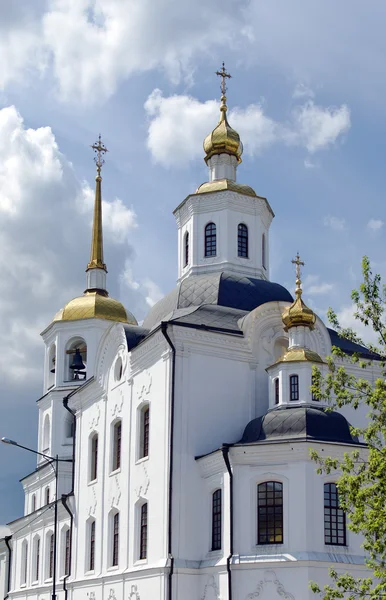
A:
(92, 546)
(186, 249)
(143, 533)
(37, 559)
(270, 513)
(25, 563)
(145, 432)
(242, 240)
(67, 552)
(117, 445)
(277, 393)
(334, 517)
(210, 240)
(216, 520)
(263, 252)
(47, 495)
(33, 502)
(294, 388)
(94, 458)
(115, 540)
(51, 556)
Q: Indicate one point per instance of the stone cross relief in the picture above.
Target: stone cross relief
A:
(146, 386)
(269, 583)
(211, 591)
(134, 595)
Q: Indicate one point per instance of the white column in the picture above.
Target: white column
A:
(222, 166)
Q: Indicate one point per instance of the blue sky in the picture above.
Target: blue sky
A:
(307, 96)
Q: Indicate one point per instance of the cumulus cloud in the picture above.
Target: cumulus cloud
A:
(45, 215)
(145, 287)
(92, 45)
(314, 287)
(375, 224)
(335, 223)
(302, 91)
(179, 123)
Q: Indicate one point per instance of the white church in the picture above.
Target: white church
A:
(183, 443)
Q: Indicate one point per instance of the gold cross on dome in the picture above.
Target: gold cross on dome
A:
(224, 75)
(299, 263)
(99, 149)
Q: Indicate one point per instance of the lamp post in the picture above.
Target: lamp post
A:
(50, 460)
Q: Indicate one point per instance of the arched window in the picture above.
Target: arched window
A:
(277, 392)
(145, 432)
(24, 567)
(51, 365)
(263, 252)
(270, 513)
(46, 435)
(94, 457)
(186, 249)
(33, 503)
(76, 360)
(210, 240)
(242, 240)
(66, 564)
(91, 558)
(115, 540)
(143, 533)
(36, 559)
(47, 495)
(216, 520)
(334, 517)
(51, 555)
(117, 435)
(294, 388)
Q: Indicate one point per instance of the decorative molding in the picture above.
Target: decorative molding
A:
(116, 495)
(270, 579)
(93, 503)
(111, 595)
(211, 585)
(144, 391)
(141, 490)
(94, 421)
(116, 408)
(134, 595)
(91, 595)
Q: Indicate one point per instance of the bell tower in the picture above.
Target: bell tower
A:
(224, 225)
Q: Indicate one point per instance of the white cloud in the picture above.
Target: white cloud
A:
(321, 288)
(347, 320)
(302, 91)
(335, 223)
(310, 164)
(178, 125)
(45, 232)
(145, 287)
(375, 224)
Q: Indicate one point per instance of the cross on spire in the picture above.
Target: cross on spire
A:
(224, 76)
(99, 149)
(299, 263)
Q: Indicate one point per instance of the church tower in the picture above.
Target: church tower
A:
(224, 225)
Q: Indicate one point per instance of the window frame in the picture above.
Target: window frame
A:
(210, 240)
(144, 432)
(334, 511)
(114, 539)
(143, 531)
(278, 522)
(50, 554)
(91, 545)
(276, 391)
(33, 502)
(24, 565)
(242, 240)
(93, 460)
(216, 520)
(66, 545)
(186, 249)
(263, 252)
(294, 387)
(36, 559)
(117, 445)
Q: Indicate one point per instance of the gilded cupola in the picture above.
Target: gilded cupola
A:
(298, 314)
(223, 139)
(95, 302)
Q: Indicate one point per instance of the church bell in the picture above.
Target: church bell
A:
(77, 363)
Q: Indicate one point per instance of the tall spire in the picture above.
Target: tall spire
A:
(298, 313)
(96, 268)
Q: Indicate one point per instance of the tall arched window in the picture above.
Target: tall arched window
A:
(47, 495)
(334, 517)
(76, 360)
(46, 435)
(145, 432)
(33, 503)
(51, 555)
(91, 558)
(216, 520)
(294, 388)
(186, 249)
(94, 457)
(143, 533)
(277, 391)
(263, 252)
(66, 552)
(210, 240)
(242, 240)
(36, 559)
(24, 567)
(115, 540)
(270, 513)
(117, 435)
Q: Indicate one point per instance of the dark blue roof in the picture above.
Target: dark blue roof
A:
(298, 423)
(350, 347)
(134, 335)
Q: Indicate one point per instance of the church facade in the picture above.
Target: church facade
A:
(183, 443)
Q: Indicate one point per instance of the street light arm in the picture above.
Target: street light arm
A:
(46, 456)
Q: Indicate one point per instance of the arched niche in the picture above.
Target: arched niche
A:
(71, 352)
(46, 440)
(51, 366)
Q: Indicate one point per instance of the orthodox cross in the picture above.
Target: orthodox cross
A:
(224, 75)
(99, 149)
(298, 264)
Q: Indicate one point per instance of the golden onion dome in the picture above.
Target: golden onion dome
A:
(94, 305)
(298, 313)
(223, 139)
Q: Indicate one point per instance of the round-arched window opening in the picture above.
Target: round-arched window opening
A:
(76, 360)
(118, 369)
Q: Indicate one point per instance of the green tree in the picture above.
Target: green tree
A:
(361, 479)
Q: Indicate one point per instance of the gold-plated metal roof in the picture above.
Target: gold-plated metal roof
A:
(96, 256)
(93, 305)
(223, 139)
(226, 184)
(298, 313)
(300, 355)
